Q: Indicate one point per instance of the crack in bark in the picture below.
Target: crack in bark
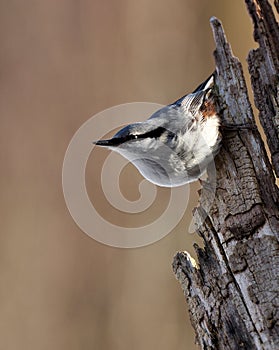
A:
(232, 277)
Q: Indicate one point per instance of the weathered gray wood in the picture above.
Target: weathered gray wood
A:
(264, 70)
(233, 289)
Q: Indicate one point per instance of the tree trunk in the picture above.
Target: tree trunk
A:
(233, 290)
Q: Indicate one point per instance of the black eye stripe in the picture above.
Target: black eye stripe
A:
(155, 133)
(150, 134)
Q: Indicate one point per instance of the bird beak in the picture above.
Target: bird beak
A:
(104, 143)
(101, 143)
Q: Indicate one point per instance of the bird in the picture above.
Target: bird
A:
(176, 144)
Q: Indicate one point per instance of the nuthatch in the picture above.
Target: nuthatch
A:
(175, 145)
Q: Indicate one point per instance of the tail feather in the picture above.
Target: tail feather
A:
(207, 84)
(197, 94)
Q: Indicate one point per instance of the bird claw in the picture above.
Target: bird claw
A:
(206, 185)
(238, 127)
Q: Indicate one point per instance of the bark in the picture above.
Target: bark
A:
(264, 70)
(233, 289)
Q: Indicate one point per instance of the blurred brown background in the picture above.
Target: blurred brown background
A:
(62, 62)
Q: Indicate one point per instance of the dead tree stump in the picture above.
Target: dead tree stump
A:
(233, 289)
